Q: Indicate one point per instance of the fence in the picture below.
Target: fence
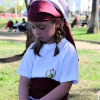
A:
(10, 15)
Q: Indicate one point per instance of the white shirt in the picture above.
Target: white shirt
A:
(62, 67)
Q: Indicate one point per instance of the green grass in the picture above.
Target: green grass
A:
(89, 76)
(9, 82)
(81, 34)
(10, 48)
(89, 73)
(8, 77)
(90, 64)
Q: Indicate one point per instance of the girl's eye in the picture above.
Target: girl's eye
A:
(33, 27)
(41, 27)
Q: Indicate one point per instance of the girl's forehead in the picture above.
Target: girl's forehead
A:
(37, 23)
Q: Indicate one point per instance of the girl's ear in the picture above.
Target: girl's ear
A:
(58, 22)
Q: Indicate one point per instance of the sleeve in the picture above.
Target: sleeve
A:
(70, 66)
(25, 67)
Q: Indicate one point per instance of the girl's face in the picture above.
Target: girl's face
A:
(44, 31)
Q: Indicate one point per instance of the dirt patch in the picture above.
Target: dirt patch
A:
(87, 45)
(13, 36)
(21, 37)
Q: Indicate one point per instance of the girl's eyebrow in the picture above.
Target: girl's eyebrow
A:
(39, 25)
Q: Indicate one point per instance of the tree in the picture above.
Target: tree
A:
(30, 37)
(26, 3)
(94, 23)
(12, 9)
(2, 9)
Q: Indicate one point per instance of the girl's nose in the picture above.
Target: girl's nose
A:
(36, 31)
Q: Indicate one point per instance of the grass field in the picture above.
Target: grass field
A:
(89, 73)
(81, 34)
(8, 77)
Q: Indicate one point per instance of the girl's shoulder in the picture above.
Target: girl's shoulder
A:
(31, 45)
(67, 47)
(66, 44)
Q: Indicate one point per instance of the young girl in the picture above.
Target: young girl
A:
(50, 65)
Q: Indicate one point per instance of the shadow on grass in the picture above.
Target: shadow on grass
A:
(84, 94)
(12, 59)
(94, 90)
(80, 33)
(11, 34)
(89, 41)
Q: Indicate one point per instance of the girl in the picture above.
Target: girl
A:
(50, 65)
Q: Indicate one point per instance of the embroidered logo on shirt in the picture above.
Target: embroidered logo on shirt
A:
(51, 73)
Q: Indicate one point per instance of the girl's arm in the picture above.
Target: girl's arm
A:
(23, 89)
(59, 92)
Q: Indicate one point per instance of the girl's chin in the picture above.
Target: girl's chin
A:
(41, 39)
(45, 41)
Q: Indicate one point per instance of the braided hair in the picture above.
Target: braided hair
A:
(59, 34)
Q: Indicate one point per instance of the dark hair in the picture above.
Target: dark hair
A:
(60, 33)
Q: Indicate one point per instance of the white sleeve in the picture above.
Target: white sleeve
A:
(25, 67)
(70, 66)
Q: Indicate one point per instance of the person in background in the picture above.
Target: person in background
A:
(15, 26)
(23, 26)
(12, 26)
(9, 25)
(86, 21)
(50, 65)
(75, 22)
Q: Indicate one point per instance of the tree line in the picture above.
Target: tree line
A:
(7, 8)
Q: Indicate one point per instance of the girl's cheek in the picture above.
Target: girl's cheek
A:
(33, 31)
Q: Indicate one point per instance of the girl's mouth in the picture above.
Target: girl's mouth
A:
(39, 38)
